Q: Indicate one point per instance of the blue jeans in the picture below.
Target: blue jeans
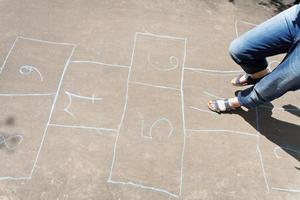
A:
(280, 34)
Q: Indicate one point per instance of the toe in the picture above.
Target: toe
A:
(211, 105)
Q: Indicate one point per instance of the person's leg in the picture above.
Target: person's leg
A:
(286, 77)
(267, 39)
(285, 31)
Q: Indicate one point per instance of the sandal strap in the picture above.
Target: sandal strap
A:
(227, 105)
(238, 79)
(248, 80)
(222, 105)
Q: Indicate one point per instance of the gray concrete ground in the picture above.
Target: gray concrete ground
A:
(107, 100)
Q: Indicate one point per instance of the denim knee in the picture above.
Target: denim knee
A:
(235, 50)
(244, 55)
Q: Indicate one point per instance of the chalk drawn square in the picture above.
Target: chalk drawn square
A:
(158, 60)
(279, 143)
(33, 66)
(150, 142)
(92, 95)
(199, 88)
(22, 124)
(220, 165)
(69, 158)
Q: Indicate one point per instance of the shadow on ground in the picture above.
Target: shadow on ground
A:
(276, 5)
(281, 133)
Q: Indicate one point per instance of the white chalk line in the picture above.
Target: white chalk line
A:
(279, 108)
(7, 56)
(259, 151)
(236, 25)
(142, 131)
(183, 118)
(202, 110)
(46, 41)
(212, 95)
(83, 127)
(100, 63)
(71, 95)
(124, 111)
(29, 69)
(24, 95)
(214, 72)
(52, 109)
(222, 131)
(144, 187)
(31, 39)
(9, 95)
(160, 36)
(14, 178)
(286, 190)
(284, 148)
(92, 98)
(152, 85)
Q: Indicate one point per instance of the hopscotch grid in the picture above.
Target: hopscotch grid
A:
(125, 109)
(35, 94)
(10, 51)
(52, 109)
(267, 182)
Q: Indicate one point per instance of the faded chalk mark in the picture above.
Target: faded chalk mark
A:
(244, 22)
(173, 61)
(155, 124)
(275, 151)
(11, 142)
(202, 110)
(29, 69)
(212, 95)
(72, 95)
